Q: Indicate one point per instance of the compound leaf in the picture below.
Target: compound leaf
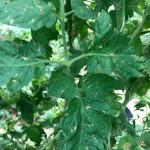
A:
(16, 64)
(29, 14)
(116, 58)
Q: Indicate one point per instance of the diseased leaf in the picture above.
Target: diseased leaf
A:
(84, 127)
(118, 65)
(102, 25)
(100, 64)
(116, 58)
(87, 121)
(118, 43)
(75, 76)
(25, 49)
(29, 14)
(18, 65)
(62, 85)
(99, 86)
(99, 89)
(82, 11)
(42, 38)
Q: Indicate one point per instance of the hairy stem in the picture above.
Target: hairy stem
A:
(62, 21)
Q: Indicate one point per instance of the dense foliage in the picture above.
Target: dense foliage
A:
(63, 89)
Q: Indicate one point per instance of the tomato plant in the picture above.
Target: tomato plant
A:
(68, 87)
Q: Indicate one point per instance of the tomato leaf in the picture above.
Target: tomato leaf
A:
(102, 25)
(63, 86)
(83, 127)
(30, 14)
(116, 58)
(17, 64)
(82, 11)
(27, 109)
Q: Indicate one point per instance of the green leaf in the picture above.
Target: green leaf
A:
(146, 137)
(30, 14)
(102, 25)
(47, 34)
(147, 65)
(127, 141)
(17, 65)
(62, 85)
(26, 109)
(25, 49)
(34, 133)
(99, 89)
(116, 58)
(82, 11)
(5, 143)
(100, 64)
(83, 127)
(118, 65)
(142, 88)
(99, 86)
(134, 6)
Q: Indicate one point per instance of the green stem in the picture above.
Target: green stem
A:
(92, 54)
(147, 50)
(83, 56)
(130, 91)
(120, 14)
(69, 13)
(69, 63)
(62, 21)
(140, 27)
(69, 24)
(66, 63)
(138, 30)
(109, 141)
(61, 62)
(37, 62)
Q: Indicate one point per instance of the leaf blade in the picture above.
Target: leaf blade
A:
(31, 14)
